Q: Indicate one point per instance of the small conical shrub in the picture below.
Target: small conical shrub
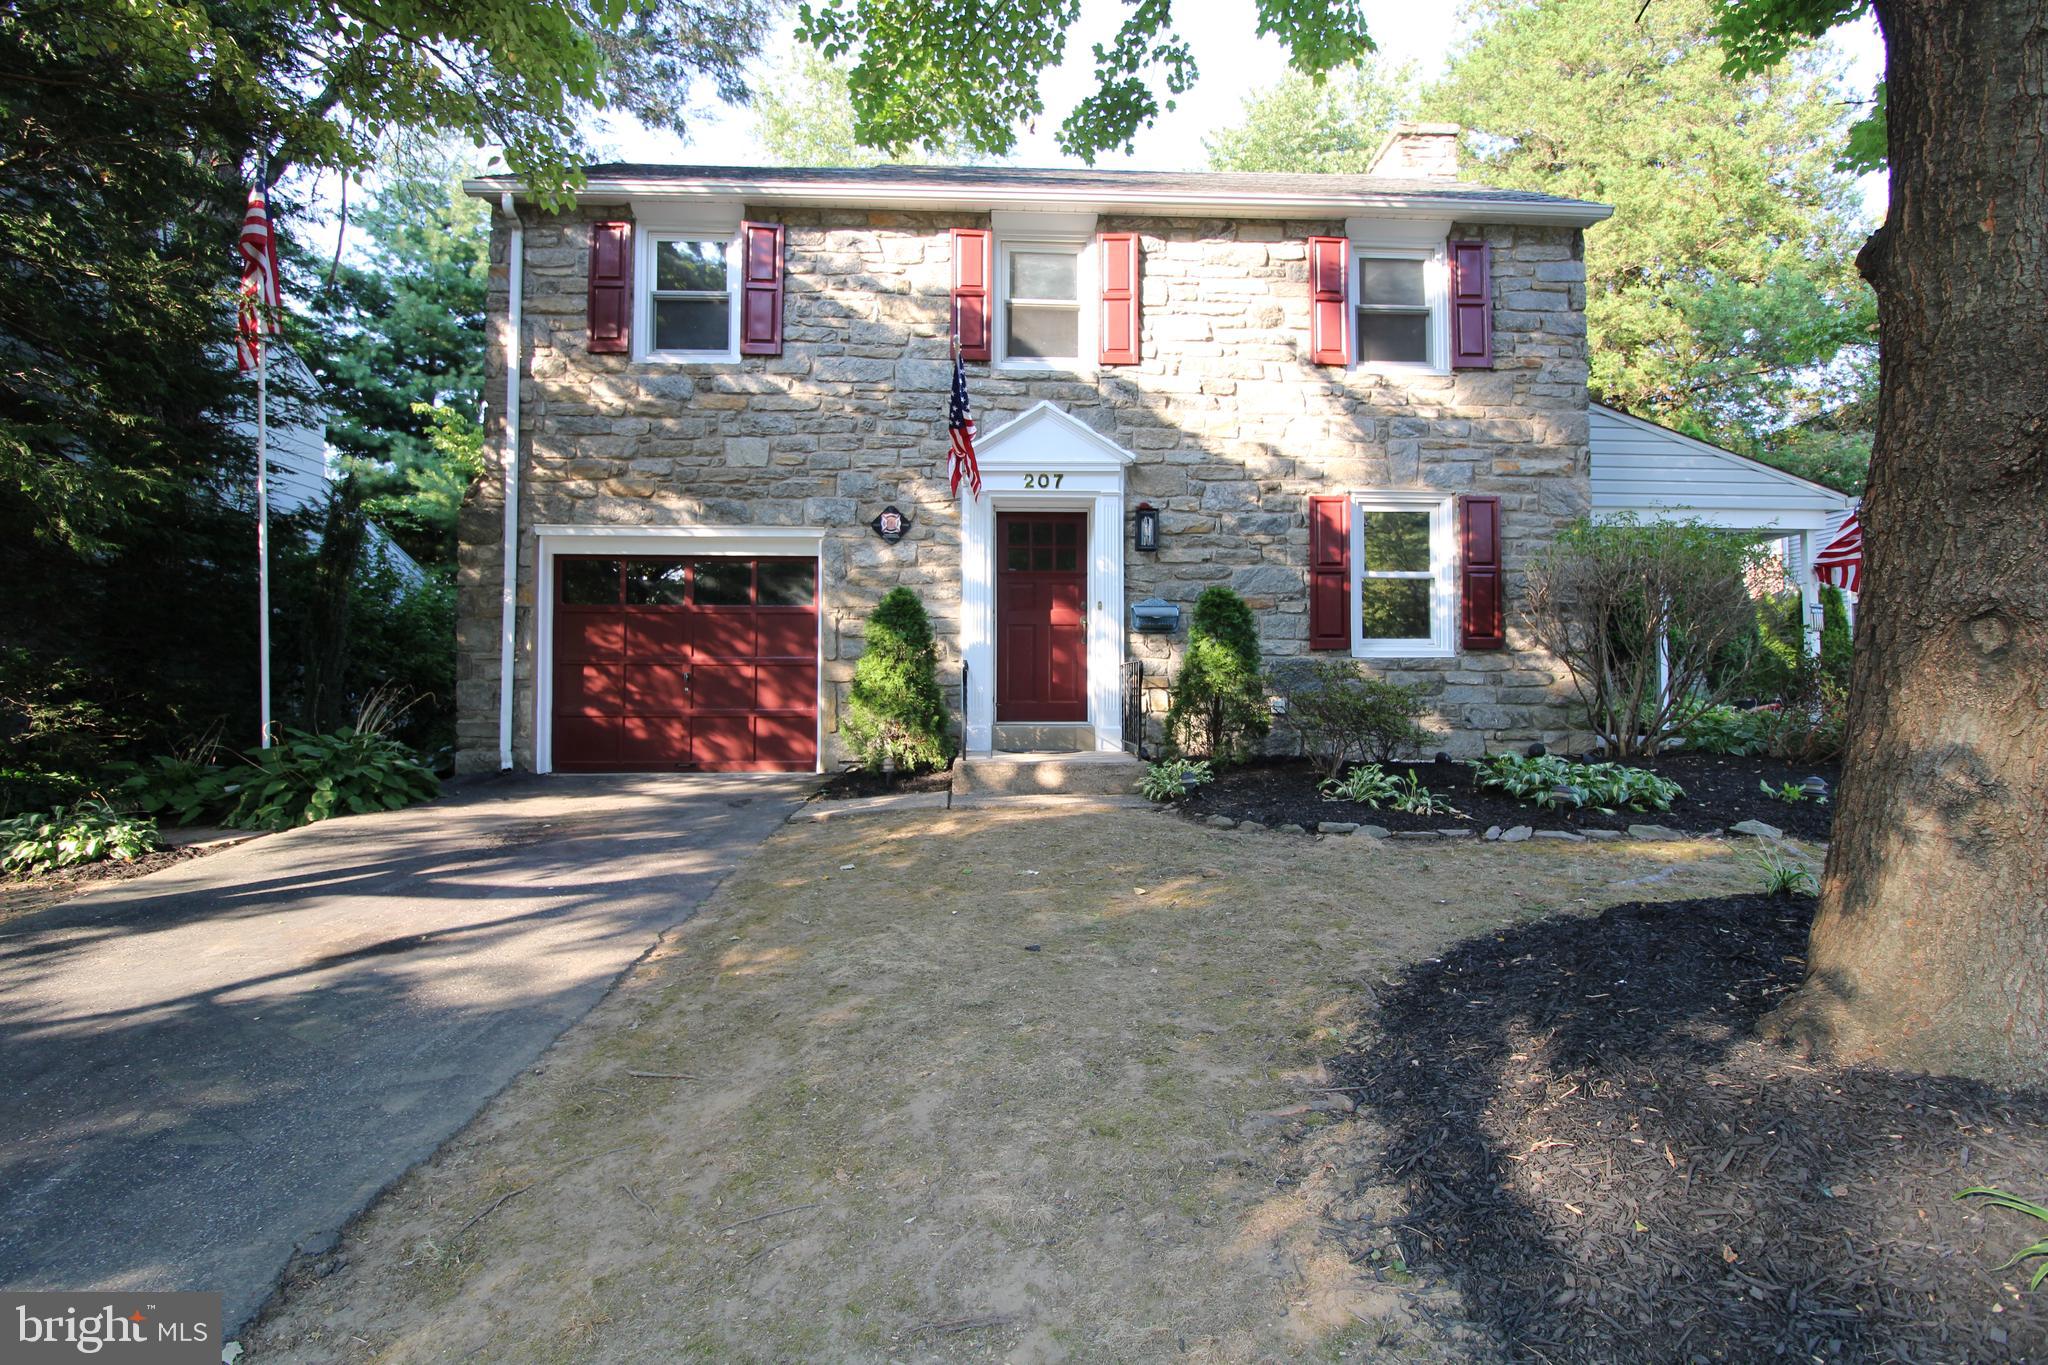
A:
(1218, 703)
(1834, 634)
(895, 711)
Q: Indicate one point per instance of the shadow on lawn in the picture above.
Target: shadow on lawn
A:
(1593, 1144)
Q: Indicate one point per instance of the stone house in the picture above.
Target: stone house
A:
(1358, 400)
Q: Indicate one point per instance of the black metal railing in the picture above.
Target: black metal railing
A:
(1134, 707)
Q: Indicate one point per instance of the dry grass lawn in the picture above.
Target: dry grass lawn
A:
(991, 1084)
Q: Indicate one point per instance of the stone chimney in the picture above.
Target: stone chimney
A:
(1418, 151)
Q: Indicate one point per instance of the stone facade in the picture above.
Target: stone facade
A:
(1231, 427)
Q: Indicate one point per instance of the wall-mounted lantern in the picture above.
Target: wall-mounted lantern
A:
(1146, 535)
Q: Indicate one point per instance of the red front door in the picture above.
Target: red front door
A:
(1041, 616)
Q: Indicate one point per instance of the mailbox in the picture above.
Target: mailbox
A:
(1155, 616)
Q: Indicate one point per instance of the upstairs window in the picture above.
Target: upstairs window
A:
(1046, 291)
(1398, 307)
(691, 296)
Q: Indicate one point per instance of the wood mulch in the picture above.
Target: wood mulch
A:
(853, 783)
(1593, 1145)
(1720, 791)
(24, 895)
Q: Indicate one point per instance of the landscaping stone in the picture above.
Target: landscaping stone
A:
(1374, 831)
(1253, 825)
(1492, 833)
(1757, 829)
(1603, 836)
(1517, 834)
(1289, 828)
(1563, 836)
(1220, 822)
(1454, 833)
(1653, 832)
(1414, 834)
(1336, 827)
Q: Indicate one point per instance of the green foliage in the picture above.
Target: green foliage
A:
(1412, 798)
(1653, 621)
(1173, 779)
(1334, 126)
(1791, 793)
(1783, 875)
(1810, 724)
(398, 349)
(2000, 1199)
(806, 119)
(308, 777)
(921, 73)
(1342, 717)
(1725, 730)
(1835, 645)
(1217, 705)
(67, 836)
(895, 713)
(1551, 781)
(185, 787)
(1758, 34)
(1722, 297)
(1365, 785)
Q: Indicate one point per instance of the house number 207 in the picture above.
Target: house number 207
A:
(1044, 480)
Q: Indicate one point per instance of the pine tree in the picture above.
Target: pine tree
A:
(895, 714)
(1218, 704)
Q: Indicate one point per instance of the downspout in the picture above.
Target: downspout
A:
(515, 352)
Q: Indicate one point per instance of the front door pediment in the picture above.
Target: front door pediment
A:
(1046, 437)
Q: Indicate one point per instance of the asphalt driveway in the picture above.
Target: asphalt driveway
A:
(204, 1069)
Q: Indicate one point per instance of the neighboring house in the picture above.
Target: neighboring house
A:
(1652, 472)
(1358, 400)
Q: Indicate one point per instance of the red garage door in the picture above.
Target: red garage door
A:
(664, 664)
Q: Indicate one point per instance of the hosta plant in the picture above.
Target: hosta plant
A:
(1173, 779)
(1782, 875)
(1365, 785)
(68, 836)
(174, 787)
(1412, 798)
(343, 772)
(1550, 781)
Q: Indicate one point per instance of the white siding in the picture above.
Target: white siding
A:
(1646, 469)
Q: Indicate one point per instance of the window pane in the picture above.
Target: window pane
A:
(1020, 532)
(1402, 337)
(590, 582)
(1045, 333)
(1066, 559)
(689, 265)
(725, 582)
(788, 582)
(1385, 281)
(1019, 559)
(1069, 533)
(654, 582)
(1042, 275)
(691, 324)
(1397, 541)
(1394, 608)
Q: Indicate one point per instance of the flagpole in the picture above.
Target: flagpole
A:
(263, 536)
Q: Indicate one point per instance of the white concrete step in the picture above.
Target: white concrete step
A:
(1034, 737)
(1070, 774)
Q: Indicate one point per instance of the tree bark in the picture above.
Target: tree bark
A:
(1930, 950)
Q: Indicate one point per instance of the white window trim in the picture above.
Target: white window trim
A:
(1087, 301)
(1436, 297)
(643, 295)
(1442, 642)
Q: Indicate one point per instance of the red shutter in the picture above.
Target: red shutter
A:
(760, 289)
(1483, 593)
(1471, 306)
(1329, 306)
(611, 288)
(1120, 298)
(973, 261)
(1329, 572)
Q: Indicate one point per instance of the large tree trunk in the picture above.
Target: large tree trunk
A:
(1931, 946)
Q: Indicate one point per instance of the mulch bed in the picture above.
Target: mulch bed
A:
(857, 782)
(22, 895)
(1595, 1147)
(1719, 792)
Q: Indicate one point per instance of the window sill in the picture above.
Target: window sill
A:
(1403, 649)
(1402, 368)
(688, 358)
(1052, 369)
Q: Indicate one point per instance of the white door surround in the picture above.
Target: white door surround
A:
(1046, 460)
(627, 542)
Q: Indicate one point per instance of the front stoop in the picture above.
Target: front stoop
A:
(1064, 774)
(1026, 737)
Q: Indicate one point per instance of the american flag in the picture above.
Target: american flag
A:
(960, 422)
(260, 300)
(1841, 563)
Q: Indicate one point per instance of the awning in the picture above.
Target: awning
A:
(1841, 563)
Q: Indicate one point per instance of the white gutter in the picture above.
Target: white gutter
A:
(866, 194)
(515, 355)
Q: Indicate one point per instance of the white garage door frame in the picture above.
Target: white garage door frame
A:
(628, 542)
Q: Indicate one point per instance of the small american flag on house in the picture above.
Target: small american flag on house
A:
(261, 301)
(960, 422)
(1841, 563)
